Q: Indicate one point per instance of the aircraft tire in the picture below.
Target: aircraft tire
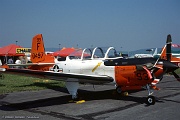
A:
(118, 90)
(150, 100)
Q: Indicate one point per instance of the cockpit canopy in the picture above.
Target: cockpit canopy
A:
(95, 53)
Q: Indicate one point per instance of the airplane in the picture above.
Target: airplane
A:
(104, 66)
(146, 55)
(173, 55)
(157, 55)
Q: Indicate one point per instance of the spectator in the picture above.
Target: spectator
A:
(18, 61)
(23, 61)
(10, 61)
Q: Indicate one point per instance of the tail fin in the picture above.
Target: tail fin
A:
(155, 52)
(37, 50)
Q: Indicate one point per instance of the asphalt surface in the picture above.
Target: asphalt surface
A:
(97, 103)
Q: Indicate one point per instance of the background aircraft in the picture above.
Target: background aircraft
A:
(99, 66)
(39, 59)
(146, 55)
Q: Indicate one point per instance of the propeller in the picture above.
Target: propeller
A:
(176, 76)
(168, 55)
(168, 66)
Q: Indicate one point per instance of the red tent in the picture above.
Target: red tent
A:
(10, 50)
(64, 52)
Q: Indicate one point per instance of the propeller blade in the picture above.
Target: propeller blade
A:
(168, 47)
(176, 76)
(169, 66)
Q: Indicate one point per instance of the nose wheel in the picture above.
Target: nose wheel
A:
(150, 100)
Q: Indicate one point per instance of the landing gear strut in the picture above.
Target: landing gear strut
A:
(150, 100)
(72, 87)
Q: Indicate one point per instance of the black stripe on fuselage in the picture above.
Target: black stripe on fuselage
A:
(131, 61)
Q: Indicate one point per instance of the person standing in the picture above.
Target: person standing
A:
(23, 61)
(18, 61)
(10, 60)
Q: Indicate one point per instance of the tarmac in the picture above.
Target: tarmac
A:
(99, 102)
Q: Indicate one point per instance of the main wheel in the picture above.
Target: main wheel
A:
(118, 90)
(150, 100)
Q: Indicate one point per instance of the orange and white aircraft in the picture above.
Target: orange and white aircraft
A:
(103, 66)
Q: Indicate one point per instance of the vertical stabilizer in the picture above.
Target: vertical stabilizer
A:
(37, 50)
(155, 52)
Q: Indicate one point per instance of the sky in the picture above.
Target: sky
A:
(124, 24)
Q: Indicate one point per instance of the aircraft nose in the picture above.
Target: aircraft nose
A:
(170, 66)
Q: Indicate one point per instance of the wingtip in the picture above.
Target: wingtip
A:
(2, 69)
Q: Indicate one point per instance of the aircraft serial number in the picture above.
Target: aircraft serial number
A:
(37, 55)
(38, 40)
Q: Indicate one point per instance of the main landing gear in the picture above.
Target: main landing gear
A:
(119, 91)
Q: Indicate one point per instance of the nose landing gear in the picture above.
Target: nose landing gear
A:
(150, 100)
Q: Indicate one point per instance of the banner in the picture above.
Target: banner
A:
(23, 50)
(176, 45)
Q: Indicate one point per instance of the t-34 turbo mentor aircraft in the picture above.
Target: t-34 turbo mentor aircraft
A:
(99, 66)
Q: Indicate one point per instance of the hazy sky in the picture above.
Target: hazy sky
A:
(124, 24)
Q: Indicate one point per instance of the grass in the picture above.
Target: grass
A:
(177, 71)
(13, 83)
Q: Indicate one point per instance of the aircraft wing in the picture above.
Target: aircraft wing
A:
(81, 78)
(30, 64)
